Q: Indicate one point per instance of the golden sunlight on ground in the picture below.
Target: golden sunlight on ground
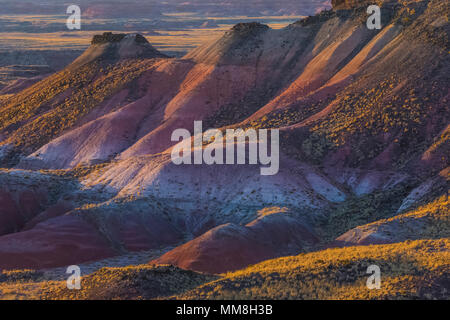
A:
(172, 41)
(271, 210)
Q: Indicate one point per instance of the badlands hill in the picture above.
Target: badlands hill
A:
(364, 129)
(412, 270)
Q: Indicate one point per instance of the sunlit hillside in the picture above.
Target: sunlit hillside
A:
(358, 172)
(409, 270)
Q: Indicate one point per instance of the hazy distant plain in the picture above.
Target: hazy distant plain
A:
(175, 34)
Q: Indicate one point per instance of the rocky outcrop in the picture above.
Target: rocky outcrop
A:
(113, 47)
(250, 28)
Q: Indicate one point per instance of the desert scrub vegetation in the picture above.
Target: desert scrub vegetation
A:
(389, 113)
(430, 221)
(24, 275)
(360, 210)
(54, 105)
(77, 172)
(55, 187)
(232, 113)
(133, 282)
(409, 270)
(431, 27)
(22, 290)
(289, 116)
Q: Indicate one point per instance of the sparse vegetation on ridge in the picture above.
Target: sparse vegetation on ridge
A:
(133, 282)
(409, 270)
(64, 99)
